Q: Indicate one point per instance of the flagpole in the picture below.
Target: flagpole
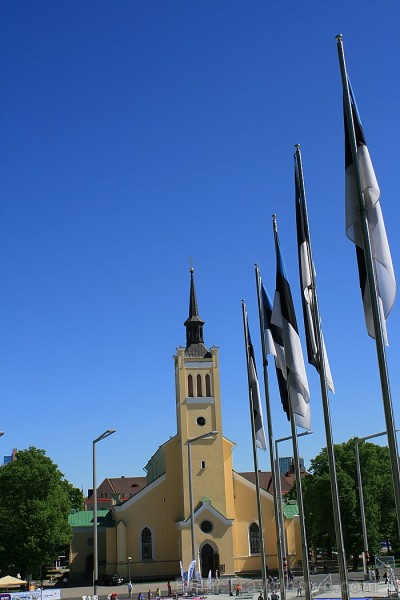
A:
(253, 435)
(280, 532)
(278, 488)
(371, 278)
(324, 389)
(304, 550)
(299, 489)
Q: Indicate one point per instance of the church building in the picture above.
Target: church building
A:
(194, 502)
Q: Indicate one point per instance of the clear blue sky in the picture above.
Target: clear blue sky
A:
(135, 134)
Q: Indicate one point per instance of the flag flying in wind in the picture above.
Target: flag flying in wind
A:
(284, 318)
(382, 260)
(254, 389)
(307, 282)
(274, 345)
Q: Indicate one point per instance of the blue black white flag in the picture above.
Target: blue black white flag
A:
(382, 260)
(274, 346)
(259, 431)
(284, 318)
(307, 283)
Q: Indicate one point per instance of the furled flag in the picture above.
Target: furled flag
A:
(254, 389)
(284, 317)
(382, 260)
(274, 345)
(307, 277)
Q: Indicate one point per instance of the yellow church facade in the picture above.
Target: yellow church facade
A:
(195, 503)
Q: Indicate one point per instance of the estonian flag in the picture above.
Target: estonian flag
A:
(254, 390)
(283, 316)
(307, 280)
(384, 272)
(274, 345)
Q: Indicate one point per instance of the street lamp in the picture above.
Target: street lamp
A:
(361, 494)
(129, 568)
(190, 442)
(278, 491)
(95, 546)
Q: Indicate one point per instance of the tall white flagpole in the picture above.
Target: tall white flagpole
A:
(324, 389)
(253, 433)
(299, 489)
(371, 276)
(280, 531)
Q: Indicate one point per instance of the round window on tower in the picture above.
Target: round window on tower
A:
(206, 526)
(201, 421)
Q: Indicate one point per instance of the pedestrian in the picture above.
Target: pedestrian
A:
(169, 589)
(149, 595)
(377, 576)
(291, 576)
(140, 596)
(158, 593)
(385, 577)
(130, 589)
(299, 589)
(260, 597)
(373, 575)
(238, 589)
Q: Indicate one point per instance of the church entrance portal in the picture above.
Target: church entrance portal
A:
(209, 560)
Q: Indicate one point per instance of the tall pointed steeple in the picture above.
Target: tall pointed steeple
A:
(194, 325)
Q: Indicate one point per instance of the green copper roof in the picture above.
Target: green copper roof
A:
(290, 509)
(84, 518)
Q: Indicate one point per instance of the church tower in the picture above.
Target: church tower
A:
(205, 453)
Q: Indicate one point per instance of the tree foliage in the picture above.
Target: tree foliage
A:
(380, 515)
(35, 501)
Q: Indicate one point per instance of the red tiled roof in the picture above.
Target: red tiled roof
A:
(266, 483)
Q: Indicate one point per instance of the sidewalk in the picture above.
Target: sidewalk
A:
(357, 589)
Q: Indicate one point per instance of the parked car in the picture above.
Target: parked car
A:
(112, 580)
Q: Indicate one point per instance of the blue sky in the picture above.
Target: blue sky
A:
(136, 134)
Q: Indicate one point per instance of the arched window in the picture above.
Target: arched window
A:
(254, 537)
(146, 544)
(208, 386)
(190, 386)
(199, 388)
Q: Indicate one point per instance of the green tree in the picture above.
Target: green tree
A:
(378, 499)
(35, 501)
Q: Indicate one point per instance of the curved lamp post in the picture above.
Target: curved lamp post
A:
(95, 546)
(278, 491)
(361, 494)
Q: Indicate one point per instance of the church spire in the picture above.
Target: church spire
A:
(194, 325)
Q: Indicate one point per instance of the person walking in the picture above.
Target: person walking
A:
(130, 589)
(299, 589)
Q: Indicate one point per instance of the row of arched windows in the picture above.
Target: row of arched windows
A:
(147, 542)
(199, 386)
